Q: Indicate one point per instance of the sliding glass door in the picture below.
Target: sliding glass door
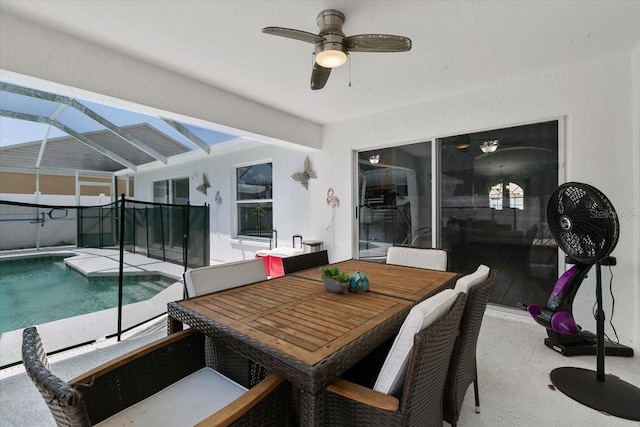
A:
(491, 192)
(494, 188)
(394, 198)
(171, 191)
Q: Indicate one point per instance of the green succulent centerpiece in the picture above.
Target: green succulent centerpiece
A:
(340, 283)
(335, 281)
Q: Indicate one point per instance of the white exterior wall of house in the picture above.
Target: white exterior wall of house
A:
(290, 199)
(600, 100)
(601, 136)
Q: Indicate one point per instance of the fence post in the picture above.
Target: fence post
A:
(100, 227)
(79, 236)
(146, 222)
(162, 233)
(121, 266)
(206, 235)
(186, 221)
(185, 245)
(133, 229)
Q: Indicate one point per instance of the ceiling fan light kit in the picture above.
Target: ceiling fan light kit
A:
(329, 56)
(332, 46)
(490, 146)
(332, 52)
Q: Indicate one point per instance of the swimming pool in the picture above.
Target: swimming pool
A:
(40, 290)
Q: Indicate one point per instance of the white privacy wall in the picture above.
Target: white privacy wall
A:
(596, 99)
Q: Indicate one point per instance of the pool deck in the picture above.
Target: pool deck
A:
(66, 333)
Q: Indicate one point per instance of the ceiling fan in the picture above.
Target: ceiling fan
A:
(332, 46)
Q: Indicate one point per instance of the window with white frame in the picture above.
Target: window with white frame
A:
(498, 191)
(174, 191)
(254, 203)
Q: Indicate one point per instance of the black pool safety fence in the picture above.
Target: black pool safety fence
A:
(172, 233)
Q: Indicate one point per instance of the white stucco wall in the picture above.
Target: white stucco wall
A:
(635, 182)
(596, 99)
(291, 200)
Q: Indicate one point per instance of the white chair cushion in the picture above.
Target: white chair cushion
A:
(205, 280)
(475, 278)
(184, 403)
(434, 259)
(394, 369)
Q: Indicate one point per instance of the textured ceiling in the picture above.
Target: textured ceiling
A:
(458, 46)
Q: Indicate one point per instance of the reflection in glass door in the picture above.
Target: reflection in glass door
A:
(494, 187)
(175, 192)
(394, 198)
(179, 196)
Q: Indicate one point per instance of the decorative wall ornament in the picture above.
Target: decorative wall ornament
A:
(205, 184)
(304, 176)
(332, 200)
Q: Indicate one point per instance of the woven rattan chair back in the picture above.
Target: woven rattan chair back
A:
(304, 261)
(462, 368)
(132, 378)
(64, 402)
(423, 390)
(422, 393)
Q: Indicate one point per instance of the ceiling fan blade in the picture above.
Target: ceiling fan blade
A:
(377, 43)
(293, 34)
(319, 76)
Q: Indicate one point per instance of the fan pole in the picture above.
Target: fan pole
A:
(599, 325)
(613, 396)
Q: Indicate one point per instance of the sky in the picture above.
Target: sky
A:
(15, 131)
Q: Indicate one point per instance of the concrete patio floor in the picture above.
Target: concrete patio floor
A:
(513, 364)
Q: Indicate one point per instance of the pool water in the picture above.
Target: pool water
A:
(40, 291)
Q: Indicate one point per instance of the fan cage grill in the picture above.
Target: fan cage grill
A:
(591, 227)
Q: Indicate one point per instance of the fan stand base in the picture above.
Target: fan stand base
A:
(586, 349)
(612, 396)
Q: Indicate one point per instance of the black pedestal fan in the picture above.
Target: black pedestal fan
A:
(585, 226)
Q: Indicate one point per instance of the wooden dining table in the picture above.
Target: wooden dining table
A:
(294, 327)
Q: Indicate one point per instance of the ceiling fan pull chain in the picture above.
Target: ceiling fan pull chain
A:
(349, 59)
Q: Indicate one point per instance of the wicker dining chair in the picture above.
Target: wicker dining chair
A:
(304, 261)
(420, 401)
(162, 383)
(218, 277)
(463, 369)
